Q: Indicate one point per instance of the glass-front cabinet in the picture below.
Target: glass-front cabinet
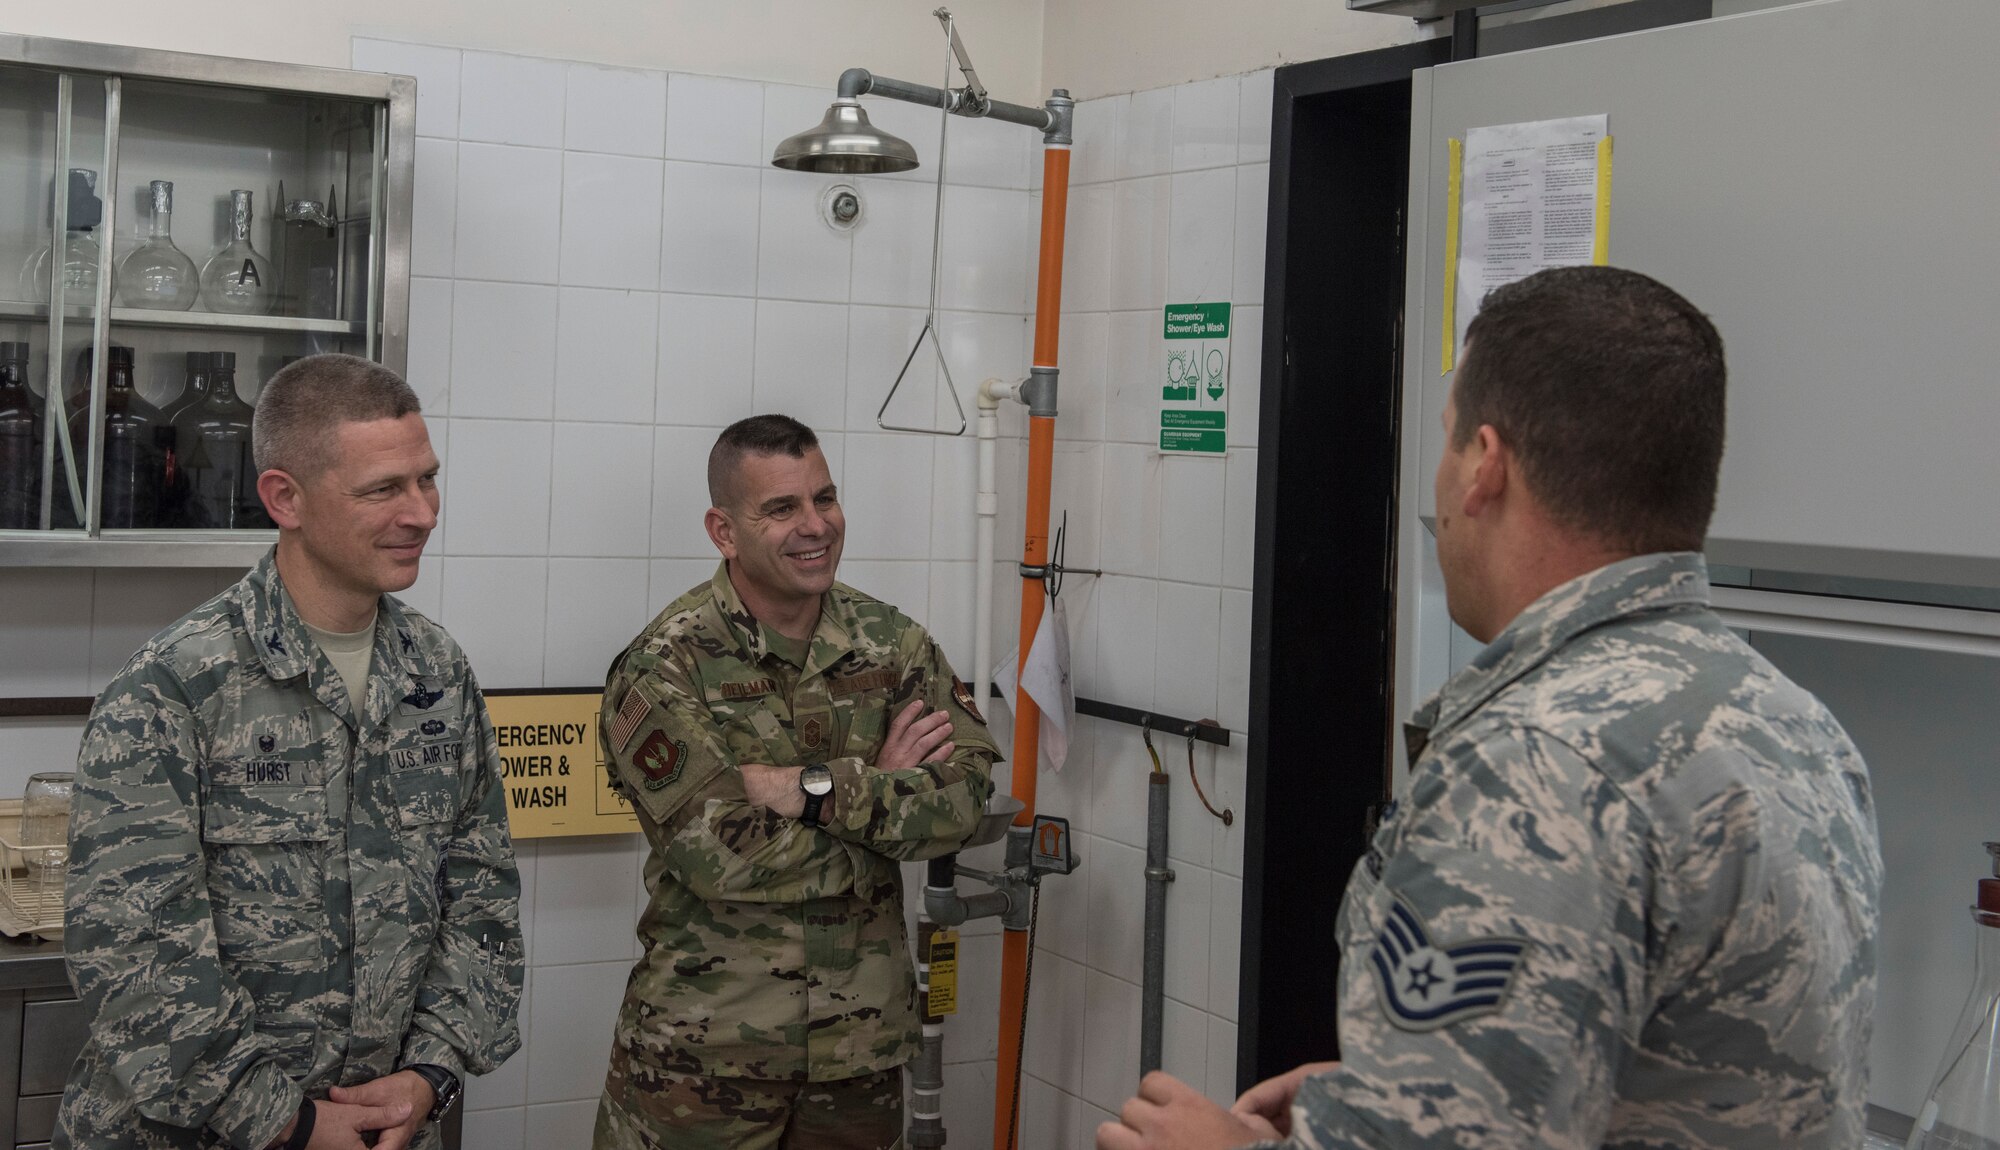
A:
(173, 230)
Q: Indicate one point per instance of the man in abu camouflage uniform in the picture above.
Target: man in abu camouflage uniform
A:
(293, 909)
(785, 741)
(1628, 898)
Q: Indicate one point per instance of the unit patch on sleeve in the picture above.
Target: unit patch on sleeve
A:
(660, 759)
(631, 712)
(1424, 986)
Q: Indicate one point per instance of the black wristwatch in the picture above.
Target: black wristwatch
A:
(817, 783)
(445, 1088)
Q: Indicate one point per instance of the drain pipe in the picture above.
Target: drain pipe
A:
(926, 1129)
(1153, 1006)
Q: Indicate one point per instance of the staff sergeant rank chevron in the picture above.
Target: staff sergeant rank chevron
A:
(1425, 987)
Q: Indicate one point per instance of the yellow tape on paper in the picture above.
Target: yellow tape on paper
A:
(1454, 189)
(552, 766)
(1600, 253)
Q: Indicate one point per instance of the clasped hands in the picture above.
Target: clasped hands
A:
(384, 1113)
(914, 738)
(1168, 1114)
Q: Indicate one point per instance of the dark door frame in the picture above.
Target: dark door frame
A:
(1323, 616)
(1326, 471)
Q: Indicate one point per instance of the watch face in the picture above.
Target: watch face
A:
(816, 780)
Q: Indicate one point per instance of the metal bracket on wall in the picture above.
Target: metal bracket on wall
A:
(1201, 730)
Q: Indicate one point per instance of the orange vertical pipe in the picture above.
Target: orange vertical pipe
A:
(1034, 553)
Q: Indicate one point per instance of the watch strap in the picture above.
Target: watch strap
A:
(814, 803)
(444, 1087)
(302, 1130)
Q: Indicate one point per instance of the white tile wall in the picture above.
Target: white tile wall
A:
(503, 350)
(605, 347)
(509, 213)
(618, 110)
(707, 345)
(575, 500)
(709, 233)
(1206, 123)
(799, 255)
(512, 99)
(434, 208)
(715, 120)
(500, 488)
(610, 221)
(801, 364)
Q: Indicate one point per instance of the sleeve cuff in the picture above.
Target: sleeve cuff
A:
(851, 798)
(435, 1051)
(258, 1108)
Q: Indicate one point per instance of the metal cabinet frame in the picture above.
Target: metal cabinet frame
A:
(385, 329)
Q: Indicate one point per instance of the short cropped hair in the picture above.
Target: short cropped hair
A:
(301, 406)
(1609, 387)
(757, 435)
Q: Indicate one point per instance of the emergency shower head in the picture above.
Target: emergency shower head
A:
(845, 143)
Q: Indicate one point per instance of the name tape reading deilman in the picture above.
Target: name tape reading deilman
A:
(552, 766)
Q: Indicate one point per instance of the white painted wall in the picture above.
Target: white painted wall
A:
(790, 41)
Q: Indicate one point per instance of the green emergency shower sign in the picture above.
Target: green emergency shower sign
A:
(1194, 412)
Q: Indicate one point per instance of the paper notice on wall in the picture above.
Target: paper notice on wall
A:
(1533, 196)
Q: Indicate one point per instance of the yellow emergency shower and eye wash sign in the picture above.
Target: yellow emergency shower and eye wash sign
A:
(552, 765)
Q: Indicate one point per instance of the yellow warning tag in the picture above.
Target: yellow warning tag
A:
(944, 973)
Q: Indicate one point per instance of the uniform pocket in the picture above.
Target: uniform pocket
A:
(267, 814)
(425, 796)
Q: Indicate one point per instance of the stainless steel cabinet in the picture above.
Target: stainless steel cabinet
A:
(89, 136)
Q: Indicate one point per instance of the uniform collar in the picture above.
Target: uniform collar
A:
(1644, 584)
(285, 646)
(832, 637)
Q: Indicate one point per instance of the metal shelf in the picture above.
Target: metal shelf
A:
(191, 320)
(238, 549)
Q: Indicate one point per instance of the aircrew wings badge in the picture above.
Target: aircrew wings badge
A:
(1425, 986)
(631, 712)
(660, 759)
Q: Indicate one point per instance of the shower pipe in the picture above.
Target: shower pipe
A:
(1038, 392)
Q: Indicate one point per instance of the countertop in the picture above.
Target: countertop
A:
(29, 964)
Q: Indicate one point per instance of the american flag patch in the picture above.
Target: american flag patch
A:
(631, 713)
(1424, 986)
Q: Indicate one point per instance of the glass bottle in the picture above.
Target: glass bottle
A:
(1962, 1108)
(44, 831)
(134, 467)
(157, 274)
(20, 442)
(175, 494)
(80, 252)
(236, 278)
(221, 477)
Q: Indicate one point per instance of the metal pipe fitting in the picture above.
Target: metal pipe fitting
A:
(1038, 391)
(1062, 118)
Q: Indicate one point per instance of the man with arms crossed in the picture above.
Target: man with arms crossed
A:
(294, 915)
(1628, 898)
(785, 740)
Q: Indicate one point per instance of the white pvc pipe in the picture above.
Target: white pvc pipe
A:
(987, 509)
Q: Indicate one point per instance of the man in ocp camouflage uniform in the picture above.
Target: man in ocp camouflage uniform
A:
(293, 908)
(1628, 898)
(785, 740)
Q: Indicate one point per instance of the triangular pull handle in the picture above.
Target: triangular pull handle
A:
(944, 369)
